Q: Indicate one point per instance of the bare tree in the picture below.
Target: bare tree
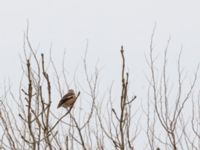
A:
(168, 107)
(98, 120)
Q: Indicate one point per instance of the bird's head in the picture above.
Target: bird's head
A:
(70, 91)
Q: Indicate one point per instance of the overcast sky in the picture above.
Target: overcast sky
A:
(106, 24)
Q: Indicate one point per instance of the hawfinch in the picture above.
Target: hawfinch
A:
(68, 99)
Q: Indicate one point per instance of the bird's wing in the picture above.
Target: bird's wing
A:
(65, 98)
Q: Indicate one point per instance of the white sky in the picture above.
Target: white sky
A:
(107, 24)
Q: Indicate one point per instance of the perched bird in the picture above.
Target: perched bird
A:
(68, 99)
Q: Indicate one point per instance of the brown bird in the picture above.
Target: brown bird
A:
(68, 99)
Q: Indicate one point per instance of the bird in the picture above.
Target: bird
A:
(68, 99)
